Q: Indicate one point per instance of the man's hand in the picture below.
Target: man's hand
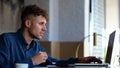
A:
(89, 59)
(39, 58)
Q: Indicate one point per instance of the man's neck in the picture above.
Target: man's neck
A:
(27, 37)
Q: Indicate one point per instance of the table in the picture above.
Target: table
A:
(53, 66)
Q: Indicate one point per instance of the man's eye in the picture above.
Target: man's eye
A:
(41, 23)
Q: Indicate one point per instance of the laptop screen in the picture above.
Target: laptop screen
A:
(110, 47)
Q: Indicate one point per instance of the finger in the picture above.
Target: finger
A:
(45, 55)
(90, 59)
(97, 60)
(87, 59)
(44, 59)
(42, 53)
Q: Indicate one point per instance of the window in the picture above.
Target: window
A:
(104, 20)
(97, 25)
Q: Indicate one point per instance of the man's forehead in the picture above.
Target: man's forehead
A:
(41, 19)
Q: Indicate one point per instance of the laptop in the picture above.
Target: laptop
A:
(108, 54)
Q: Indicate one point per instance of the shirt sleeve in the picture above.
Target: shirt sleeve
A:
(58, 62)
(67, 62)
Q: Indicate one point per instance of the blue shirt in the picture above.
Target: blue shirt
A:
(13, 49)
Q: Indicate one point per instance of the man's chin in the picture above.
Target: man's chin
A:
(39, 38)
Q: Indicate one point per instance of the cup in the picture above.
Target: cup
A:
(21, 65)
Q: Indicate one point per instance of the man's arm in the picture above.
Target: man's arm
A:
(5, 54)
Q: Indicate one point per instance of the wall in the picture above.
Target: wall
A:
(112, 15)
(66, 20)
(112, 23)
(63, 50)
(9, 15)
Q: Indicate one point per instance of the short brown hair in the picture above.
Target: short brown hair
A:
(32, 10)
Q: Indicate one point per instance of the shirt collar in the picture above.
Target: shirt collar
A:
(22, 39)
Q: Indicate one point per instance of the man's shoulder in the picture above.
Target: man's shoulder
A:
(8, 35)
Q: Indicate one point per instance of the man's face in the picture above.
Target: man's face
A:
(37, 27)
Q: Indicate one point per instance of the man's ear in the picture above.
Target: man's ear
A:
(28, 23)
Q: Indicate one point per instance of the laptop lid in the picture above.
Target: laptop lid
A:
(110, 48)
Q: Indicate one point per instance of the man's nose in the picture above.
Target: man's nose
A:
(44, 28)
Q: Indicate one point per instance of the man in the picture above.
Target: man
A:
(22, 46)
